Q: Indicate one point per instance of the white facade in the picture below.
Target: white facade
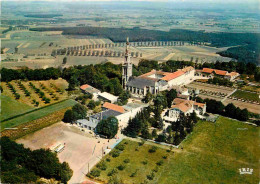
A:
(130, 113)
(107, 97)
(186, 107)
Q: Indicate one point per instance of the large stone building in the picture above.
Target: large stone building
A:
(209, 73)
(153, 81)
(185, 107)
(156, 81)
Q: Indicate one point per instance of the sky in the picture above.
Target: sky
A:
(212, 1)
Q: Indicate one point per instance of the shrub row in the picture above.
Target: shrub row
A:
(11, 87)
(40, 93)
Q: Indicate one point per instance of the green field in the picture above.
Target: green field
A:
(11, 107)
(44, 111)
(246, 95)
(137, 155)
(213, 153)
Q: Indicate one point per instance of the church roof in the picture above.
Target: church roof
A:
(140, 82)
(173, 75)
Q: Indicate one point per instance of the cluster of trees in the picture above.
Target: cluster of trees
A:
(105, 77)
(174, 134)
(230, 110)
(151, 117)
(139, 124)
(92, 104)
(108, 127)
(177, 131)
(247, 53)
(11, 87)
(78, 111)
(21, 165)
(82, 98)
(220, 81)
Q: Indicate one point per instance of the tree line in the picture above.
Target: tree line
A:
(22, 165)
(230, 110)
(107, 77)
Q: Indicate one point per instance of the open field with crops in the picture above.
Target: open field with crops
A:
(34, 50)
(32, 93)
(36, 114)
(209, 155)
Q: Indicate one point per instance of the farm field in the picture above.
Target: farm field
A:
(52, 89)
(35, 48)
(210, 155)
(10, 107)
(36, 114)
(246, 95)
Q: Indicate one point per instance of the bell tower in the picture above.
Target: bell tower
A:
(127, 65)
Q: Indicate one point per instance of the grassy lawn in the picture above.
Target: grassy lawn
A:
(138, 156)
(246, 95)
(213, 153)
(11, 107)
(37, 114)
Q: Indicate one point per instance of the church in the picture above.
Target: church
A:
(153, 81)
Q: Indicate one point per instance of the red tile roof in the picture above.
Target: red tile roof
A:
(207, 70)
(114, 107)
(173, 75)
(185, 105)
(199, 104)
(220, 72)
(85, 86)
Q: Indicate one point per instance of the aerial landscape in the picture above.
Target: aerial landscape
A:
(130, 92)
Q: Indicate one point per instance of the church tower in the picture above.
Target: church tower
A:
(127, 65)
